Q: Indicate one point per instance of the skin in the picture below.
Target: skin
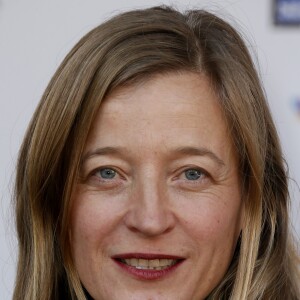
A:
(150, 134)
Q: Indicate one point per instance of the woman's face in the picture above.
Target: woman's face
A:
(157, 211)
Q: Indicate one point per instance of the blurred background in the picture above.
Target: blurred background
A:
(35, 36)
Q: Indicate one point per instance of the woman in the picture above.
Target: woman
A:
(152, 170)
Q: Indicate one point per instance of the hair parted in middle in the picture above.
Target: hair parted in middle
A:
(129, 49)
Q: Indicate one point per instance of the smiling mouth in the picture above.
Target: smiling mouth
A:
(147, 261)
(149, 264)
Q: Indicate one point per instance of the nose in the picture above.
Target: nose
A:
(150, 212)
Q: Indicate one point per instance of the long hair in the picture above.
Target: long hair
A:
(130, 47)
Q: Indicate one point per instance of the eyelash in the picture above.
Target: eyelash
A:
(202, 173)
(98, 170)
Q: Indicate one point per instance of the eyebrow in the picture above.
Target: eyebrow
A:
(199, 152)
(188, 150)
(102, 151)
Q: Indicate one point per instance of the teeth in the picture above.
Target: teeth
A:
(154, 263)
(133, 262)
(143, 263)
(150, 264)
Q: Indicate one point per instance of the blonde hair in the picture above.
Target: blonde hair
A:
(129, 47)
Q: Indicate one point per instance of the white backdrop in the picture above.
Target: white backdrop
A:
(35, 35)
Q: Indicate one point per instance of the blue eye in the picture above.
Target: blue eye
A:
(193, 174)
(107, 173)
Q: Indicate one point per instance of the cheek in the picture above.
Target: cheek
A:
(209, 225)
(83, 233)
(88, 236)
(213, 220)
(85, 226)
(90, 225)
(93, 214)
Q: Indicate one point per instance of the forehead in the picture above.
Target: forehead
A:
(165, 112)
(176, 89)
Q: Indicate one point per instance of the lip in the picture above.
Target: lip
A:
(145, 274)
